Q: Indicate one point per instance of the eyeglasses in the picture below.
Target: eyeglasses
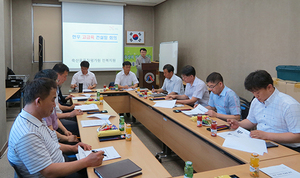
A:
(212, 87)
(184, 76)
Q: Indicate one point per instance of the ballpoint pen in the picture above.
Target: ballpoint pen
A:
(95, 151)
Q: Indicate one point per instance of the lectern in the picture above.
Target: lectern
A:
(148, 75)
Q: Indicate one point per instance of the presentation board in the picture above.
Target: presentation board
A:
(168, 54)
(93, 33)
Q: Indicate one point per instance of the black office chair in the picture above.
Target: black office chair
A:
(245, 106)
(111, 84)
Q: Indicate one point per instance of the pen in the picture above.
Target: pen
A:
(95, 151)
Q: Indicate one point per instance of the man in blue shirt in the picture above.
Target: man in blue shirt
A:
(172, 84)
(223, 102)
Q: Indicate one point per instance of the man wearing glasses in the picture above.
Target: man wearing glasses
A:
(195, 92)
(223, 103)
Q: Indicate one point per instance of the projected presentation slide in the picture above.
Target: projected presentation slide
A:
(100, 44)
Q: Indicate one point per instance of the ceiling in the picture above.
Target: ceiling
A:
(129, 2)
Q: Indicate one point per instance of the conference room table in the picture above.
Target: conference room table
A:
(10, 91)
(182, 136)
(243, 171)
(134, 150)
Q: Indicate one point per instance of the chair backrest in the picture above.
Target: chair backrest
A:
(245, 107)
(111, 84)
(16, 170)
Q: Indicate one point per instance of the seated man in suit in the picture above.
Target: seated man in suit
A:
(33, 149)
(222, 99)
(60, 68)
(195, 92)
(84, 76)
(66, 114)
(172, 84)
(126, 79)
(275, 115)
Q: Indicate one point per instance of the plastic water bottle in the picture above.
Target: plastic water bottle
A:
(121, 123)
(188, 170)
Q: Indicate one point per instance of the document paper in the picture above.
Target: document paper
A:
(240, 140)
(91, 123)
(198, 110)
(111, 153)
(165, 103)
(87, 107)
(280, 171)
(100, 116)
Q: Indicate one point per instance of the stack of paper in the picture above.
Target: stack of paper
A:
(280, 171)
(198, 110)
(87, 90)
(165, 103)
(91, 123)
(240, 140)
(79, 97)
(100, 116)
(87, 107)
(129, 89)
(110, 153)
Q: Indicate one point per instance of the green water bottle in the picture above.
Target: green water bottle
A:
(121, 123)
(116, 87)
(188, 170)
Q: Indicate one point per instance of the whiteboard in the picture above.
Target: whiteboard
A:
(168, 54)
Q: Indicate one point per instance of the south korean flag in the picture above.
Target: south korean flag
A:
(135, 37)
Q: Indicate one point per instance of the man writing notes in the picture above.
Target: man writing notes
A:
(195, 92)
(33, 148)
(126, 79)
(84, 76)
(275, 115)
(141, 59)
(222, 99)
(172, 84)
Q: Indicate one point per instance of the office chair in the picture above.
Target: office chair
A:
(245, 106)
(16, 170)
(111, 84)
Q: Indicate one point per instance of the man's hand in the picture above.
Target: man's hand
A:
(126, 87)
(83, 146)
(211, 113)
(259, 134)
(74, 86)
(234, 124)
(95, 159)
(170, 97)
(69, 97)
(153, 90)
(68, 133)
(90, 87)
(72, 138)
(76, 112)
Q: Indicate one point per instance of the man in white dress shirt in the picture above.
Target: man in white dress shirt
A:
(84, 76)
(126, 79)
(275, 115)
(195, 91)
(172, 84)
